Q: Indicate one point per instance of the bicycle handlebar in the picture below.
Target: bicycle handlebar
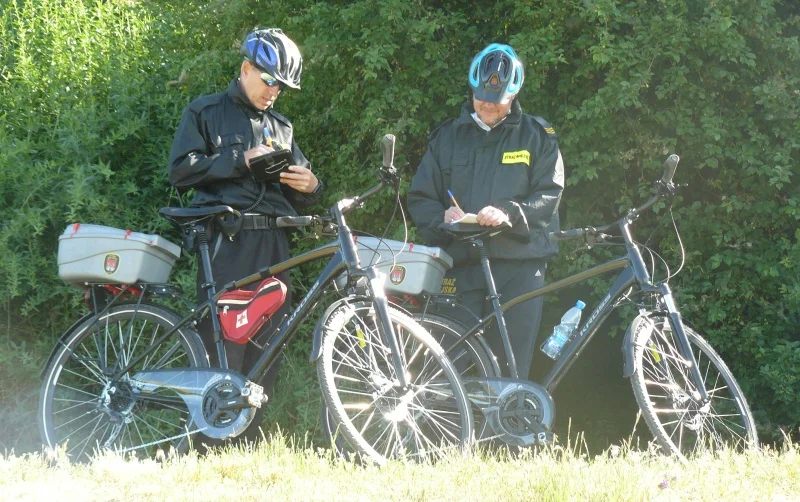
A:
(670, 165)
(565, 235)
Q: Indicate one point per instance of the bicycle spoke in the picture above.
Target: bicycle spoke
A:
(149, 358)
(165, 359)
(81, 403)
(85, 442)
(96, 371)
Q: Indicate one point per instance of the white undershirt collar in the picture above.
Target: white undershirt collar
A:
(482, 125)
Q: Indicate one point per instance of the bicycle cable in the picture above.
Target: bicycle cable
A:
(680, 244)
(376, 250)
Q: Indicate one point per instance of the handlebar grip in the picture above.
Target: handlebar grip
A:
(387, 143)
(563, 235)
(293, 221)
(669, 168)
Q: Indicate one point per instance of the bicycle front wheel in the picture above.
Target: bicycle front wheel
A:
(380, 419)
(666, 393)
(82, 409)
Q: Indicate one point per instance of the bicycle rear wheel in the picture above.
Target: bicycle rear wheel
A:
(664, 389)
(377, 417)
(83, 410)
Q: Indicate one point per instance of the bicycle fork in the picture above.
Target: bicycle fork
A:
(386, 331)
(676, 322)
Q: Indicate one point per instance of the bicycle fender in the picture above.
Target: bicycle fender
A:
(639, 324)
(316, 340)
(61, 341)
(319, 331)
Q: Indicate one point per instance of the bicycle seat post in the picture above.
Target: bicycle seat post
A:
(498, 311)
(211, 290)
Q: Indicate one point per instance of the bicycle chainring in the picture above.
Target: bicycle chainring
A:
(520, 412)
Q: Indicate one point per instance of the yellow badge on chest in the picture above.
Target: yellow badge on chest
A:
(515, 157)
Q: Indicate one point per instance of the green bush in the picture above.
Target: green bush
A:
(91, 93)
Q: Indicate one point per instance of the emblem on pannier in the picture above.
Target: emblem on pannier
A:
(398, 274)
(111, 263)
(241, 319)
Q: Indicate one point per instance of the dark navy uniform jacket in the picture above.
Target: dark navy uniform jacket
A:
(208, 154)
(516, 166)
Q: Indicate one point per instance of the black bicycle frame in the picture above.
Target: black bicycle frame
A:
(634, 272)
(344, 256)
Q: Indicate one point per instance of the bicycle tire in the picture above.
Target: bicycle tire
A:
(81, 410)
(377, 418)
(663, 388)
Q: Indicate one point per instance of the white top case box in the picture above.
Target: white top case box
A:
(95, 253)
(409, 268)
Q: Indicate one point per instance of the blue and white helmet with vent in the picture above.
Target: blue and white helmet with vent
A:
(496, 74)
(274, 53)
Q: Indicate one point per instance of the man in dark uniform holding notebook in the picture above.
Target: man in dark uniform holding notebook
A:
(498, 164)
(216, 152)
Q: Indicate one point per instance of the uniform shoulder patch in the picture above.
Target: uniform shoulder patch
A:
(546, 126)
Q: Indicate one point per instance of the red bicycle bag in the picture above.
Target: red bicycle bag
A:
(243, 312)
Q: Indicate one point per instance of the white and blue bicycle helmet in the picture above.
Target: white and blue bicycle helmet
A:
(274, 53)
(496, 74)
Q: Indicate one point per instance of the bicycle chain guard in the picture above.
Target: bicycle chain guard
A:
(220, 402)
(519, 412)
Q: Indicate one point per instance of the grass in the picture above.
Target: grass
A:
(286, 469)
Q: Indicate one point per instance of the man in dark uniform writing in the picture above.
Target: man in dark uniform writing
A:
(502, 165)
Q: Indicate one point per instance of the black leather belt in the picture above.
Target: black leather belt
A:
(258, 222)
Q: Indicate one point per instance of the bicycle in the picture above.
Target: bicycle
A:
(686, 393)
(133, 375)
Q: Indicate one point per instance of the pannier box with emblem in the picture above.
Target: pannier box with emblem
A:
(409, 268)
(94, 253)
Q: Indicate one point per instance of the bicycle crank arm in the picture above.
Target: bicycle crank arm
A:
(220, 402)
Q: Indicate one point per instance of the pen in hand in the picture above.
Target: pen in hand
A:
(268, 137)
(453, 199)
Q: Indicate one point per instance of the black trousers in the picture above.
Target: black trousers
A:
(249, 251)
(512, 278)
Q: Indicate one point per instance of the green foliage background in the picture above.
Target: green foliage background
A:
(91, 93)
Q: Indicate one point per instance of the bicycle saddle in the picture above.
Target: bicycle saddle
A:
(471, 230)
(184, 215)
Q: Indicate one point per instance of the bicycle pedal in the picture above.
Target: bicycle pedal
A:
(254, 394)
(545, 438)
